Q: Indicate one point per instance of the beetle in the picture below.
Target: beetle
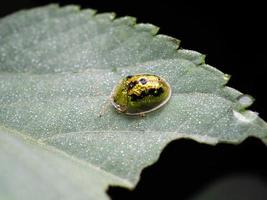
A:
(140, 93)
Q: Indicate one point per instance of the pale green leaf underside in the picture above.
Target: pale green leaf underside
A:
(29, 171)
(57, 69)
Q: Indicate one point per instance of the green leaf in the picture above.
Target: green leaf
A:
(57, 69)
(30, 171)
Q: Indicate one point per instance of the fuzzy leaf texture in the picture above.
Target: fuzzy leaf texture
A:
(57, 69)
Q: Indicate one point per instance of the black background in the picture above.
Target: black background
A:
(234, 39)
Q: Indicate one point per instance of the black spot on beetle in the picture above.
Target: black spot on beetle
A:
(135, 97)
(156, 92)
(143, 94)
(132, 84)
(129, 76)
(159, 91)
(143, 81)
(151, 91)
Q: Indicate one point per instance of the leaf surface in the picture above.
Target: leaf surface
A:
(57, 70)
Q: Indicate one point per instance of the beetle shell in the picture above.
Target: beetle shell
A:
(140, 93)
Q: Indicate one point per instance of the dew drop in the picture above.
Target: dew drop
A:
(245, 100)
(226, 77)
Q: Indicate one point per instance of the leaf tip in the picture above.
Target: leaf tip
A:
(147, 28)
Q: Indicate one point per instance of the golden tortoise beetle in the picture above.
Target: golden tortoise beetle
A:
(140, 93)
